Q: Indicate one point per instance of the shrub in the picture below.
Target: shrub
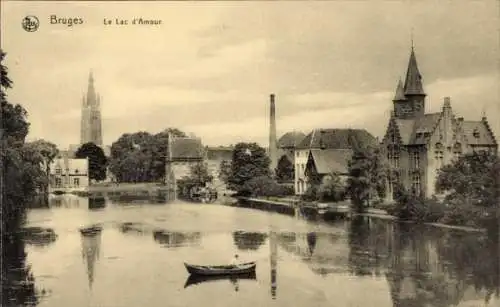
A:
(264, 186)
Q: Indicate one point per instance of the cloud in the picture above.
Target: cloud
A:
(330, 64)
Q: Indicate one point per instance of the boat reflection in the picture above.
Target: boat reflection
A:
(234, 279)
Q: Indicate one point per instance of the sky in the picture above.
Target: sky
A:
(209, 67)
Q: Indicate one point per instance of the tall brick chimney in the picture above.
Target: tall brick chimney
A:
(273, 148)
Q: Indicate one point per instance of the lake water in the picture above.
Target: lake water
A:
(138, 259)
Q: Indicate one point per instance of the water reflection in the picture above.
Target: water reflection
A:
(273, 249)
(397, 264)
(177, 239)
(138, 198)
(39, 236)
(425, 267)
(198, 279)
(68, 201)
(91, 247)
(18, 283)
(249, 240)
(96, 203)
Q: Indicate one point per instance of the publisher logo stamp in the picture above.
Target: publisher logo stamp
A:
(30, 23)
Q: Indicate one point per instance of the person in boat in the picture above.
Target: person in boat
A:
(235, 261)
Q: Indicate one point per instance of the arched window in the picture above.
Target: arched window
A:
(416, 159)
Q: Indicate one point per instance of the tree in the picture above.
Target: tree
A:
(140, 156)
(199, 173)
(367, 176)
(224, 170)
(332, 189)
(249, 161)
(44, 153)
(285, 170)
(472, 185)
(97, 160)
(18, 186)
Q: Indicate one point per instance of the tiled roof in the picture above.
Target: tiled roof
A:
(330, 160)
(187, 148)
(476, 133)
(337, 139)
(413, 131)
(423, 125)
(291, 139)
(219, 153)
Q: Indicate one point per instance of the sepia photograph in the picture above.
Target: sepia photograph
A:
(250, 153)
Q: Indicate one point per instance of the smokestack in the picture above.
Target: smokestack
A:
(272, 135)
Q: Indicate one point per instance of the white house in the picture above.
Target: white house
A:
(69, 174)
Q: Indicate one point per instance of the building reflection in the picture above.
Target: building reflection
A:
(68, 201)
(91, 246)
(425, 266)
(177, 239)
(273, 250)
(249, 240)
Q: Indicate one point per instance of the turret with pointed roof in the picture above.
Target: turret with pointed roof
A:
(400, 92)
(413, 82)
(409, 99)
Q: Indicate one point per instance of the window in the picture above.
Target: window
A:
(416, 160)
(58, 171)
(438, 155)
(393, 157)
(416, 184)
(476, 133)
(457, 150)
(58, 182)
(76, 171)
(76, 182)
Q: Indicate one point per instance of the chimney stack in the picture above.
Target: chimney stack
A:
(273, 150)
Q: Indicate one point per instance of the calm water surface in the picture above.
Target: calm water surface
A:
(137, 260)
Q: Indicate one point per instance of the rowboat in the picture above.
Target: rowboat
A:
(212, 270)
(198, 279)
(90, 231)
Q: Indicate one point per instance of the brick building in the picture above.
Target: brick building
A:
(418, 144)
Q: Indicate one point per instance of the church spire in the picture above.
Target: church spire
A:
(400, 93)
(413, 82)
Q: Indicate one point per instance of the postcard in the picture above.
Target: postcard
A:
(250, 153)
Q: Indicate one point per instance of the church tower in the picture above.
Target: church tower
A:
(91, 129)
(409, 99)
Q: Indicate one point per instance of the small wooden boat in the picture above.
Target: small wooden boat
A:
(90, 231)
(213, 270)
(198, 279)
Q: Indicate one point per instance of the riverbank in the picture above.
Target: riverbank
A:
(292, 204)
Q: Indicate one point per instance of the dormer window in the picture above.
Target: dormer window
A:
(475, 133)
(76, 171)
